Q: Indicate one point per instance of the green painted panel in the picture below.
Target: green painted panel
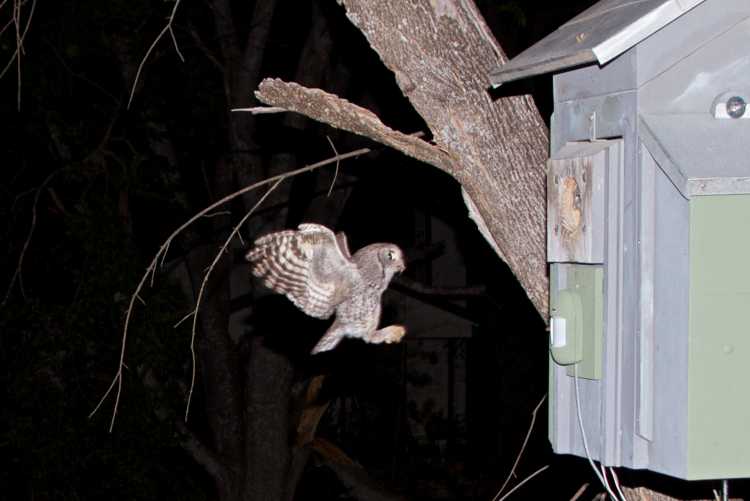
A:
(587, 283)
(581, 304)
(719, 338)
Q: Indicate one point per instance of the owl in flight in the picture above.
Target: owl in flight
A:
(313, 267)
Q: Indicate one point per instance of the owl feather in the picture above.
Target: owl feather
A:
(313, 267)
(310, 266)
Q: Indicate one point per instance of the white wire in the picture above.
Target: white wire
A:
(616, 481)
(604, 476)
(602, 479)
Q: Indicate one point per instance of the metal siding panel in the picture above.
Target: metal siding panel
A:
(662, 157)
(600, 117)
(711, 154)
(668, 450)
(691, 84)
(718, 407)
(606, 405)
(616, 315)
(645, 333)
(683, 37)
(611, 404)
(591, 81)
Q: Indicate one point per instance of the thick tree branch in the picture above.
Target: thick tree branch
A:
(441, 53)
(352, 475)
(342, 114)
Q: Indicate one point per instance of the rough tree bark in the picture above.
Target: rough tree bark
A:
(441, 53)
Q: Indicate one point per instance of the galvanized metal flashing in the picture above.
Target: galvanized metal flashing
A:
(597, 35)
(687, 147)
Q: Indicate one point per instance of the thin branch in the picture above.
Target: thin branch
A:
(19, 50)
(523, 447)
(167, 28)
(218, 213)
(20, 36)
(7, 25)
(342, 114)
(336, 172)
(192, 312)
(201, 454)
(206, 51)
(580, 491)
(261, 110)
(514, 489)
(80, 76)
(176, 46)
(205, 281)
(117, 379)
(58, 203)
(22, 255)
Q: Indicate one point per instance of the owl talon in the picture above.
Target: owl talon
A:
(388, 335)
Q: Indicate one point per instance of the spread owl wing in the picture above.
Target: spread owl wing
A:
(310, 265)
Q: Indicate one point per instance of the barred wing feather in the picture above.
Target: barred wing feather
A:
(308, 265)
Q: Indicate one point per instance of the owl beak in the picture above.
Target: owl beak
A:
(401, 267)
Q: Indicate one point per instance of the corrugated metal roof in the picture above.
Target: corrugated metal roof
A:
(597, 35)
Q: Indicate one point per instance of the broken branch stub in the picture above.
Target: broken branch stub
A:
(342, 114)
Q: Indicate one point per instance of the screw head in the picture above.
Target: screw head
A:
(736, 107)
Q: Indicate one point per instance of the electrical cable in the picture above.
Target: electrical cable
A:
(616, 481)
(602, 479)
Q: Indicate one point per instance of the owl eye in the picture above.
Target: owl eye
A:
(391, 255)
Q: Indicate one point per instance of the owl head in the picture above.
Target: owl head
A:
(381, 260)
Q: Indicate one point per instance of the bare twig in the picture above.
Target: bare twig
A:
(20, 36)
(19, 49)
(80, 76)
(261, 110)
(205, 281)
(206, 51)
(514, 489)
(523, 447)
(218, 213)
(201, 454)
(117, 379)
(56, 200)
(580, 491)
(336, 172)
(32, 226)
(192, 312)
(167, 28)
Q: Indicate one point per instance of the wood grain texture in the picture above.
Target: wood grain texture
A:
(441, 53)
(575, 210)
